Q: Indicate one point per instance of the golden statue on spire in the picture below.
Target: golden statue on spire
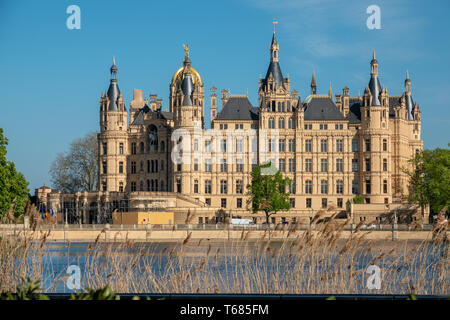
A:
(186, 50)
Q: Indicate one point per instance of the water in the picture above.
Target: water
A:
(225, 261)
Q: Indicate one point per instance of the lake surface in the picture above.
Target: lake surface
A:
(229, 262)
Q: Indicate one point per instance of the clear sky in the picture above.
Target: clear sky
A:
(51, 77)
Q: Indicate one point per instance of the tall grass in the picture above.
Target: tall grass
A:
(316, 261)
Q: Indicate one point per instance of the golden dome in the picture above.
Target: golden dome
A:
(179, 75)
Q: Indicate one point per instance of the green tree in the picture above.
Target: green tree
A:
(429, 179)
(12, 183)
(77, 170)
(267, 191)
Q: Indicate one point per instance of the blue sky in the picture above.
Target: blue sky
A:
(51, 77)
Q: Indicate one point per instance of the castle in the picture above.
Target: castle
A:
(331, 148)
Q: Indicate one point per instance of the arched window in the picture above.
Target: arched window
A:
(271, 123)
(282, 107)
(291, 123)
(279, 106)
(281, 123)
(288, 109)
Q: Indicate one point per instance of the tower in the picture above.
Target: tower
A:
(112, 137)
(375, 157)
(213, 104)
(313, 84)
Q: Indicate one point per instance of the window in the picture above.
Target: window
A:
(292, 200)
(323, 127)
(208, 146)
(105, 148)
(133, 148)
(239, 145)
(308, 165)
(292, 187)
(239, 165)
(308, 186)
(162, 146)
(324, 165)
(324, 186)
(355, 145)
(308, 145)
(179, 185)
(271, 123)
(339, 145)
(291, 145)
(195, 164)
(339, 186)
(195, 186)
(121, 167)
(133, 166)
(121, 148)
(133, 186)
(223, 186)
(339, 165)
(384, 145)
(208, 186)
(368, 186)
(367, 164)
(281, 123)
(141, 186)
(368, 113)
(239, 186)
(105, 167)
(367, 144)
(223, 202)
(282, 165)
(324, 202)
(291, 122)
(323, 145)
(340, 202)
(208, 165)
(223, 165)
(239, 203)
(281, 145)
(141, 166)
(271, 145)
(178, 166)
(200, 220)
(120, 186)
(195, 144)
(208, 201)
(385, 186)
(141, 147)
(355, 187)
(355, 166)
(385, 165)
(308, 202)
(104, 185)
(162, 164)
(223, 145)
(291, 165)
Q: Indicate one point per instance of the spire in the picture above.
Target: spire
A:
(407, 83)
(113, 90)
(274, 38)
(274, 67)
(330, 94)
(408, 99)
(313, 84)
(374, 83)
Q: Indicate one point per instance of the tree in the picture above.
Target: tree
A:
(13, 184)
(268, 190)
(429, 179)
(77, 170)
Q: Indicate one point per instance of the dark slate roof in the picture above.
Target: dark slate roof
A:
(275, 70)
(375, 90)
(166, 115)
(409, 106)
(139, 120)
(238, 108)
(188, 88)
(354, 114)
(113, 95)
(394, 101)
(321, 108)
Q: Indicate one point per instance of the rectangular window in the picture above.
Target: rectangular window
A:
(223, 202)
(323, 145)
(133, 166)
(239, 203)
(308, 145)
(195, 164)
(208, 165)
(291, 165)
(208, 146)
(239, 186)
(133, 148)
(223, 165)
(195, 144)
(208, 186)
(324, 186)
(121, 167)
(239, 145)
(195, 186)
(324, 165)
(223, 145)
(355, 145)
(104, 185)
(291, 145)
(339, 186)
(105, 167)
(282, 165)
(308, 165)
(223, 186)
(340, 165)
(368, 187)
(208, 201)
(121, 148)
(385, 186)
(355, 187)
(384, 145)
(340, 202)
(339, 145)
(271, 145)
(281, 145)
(292, 200)
(239, 165)
(367, 144)
(179, 185)
(308, 202)
(292, 187)
(385, 165)
(105, 148)
(355, 166)
(367, 164)
(308, 186)
(324, 202)
(133, 186)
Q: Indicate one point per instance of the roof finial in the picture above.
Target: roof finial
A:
(274, 23)
(186, 50)
(313, 83)
(114, 61)
(407, 74)
(373, 56)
